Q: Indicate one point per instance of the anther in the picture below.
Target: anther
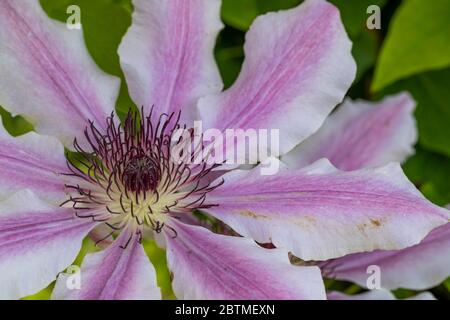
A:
(141, 174)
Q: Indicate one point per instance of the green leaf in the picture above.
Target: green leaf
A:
(431, 173)
(270, 5)
(365, 42)
(431, 91)
(16, 126)
(240, 14)
(447, 284)
(404, 293)
(229, 54)
(417, 41)
(229, 61)
(354, 14)
(44, 294)
(365, 52)
(158, 258)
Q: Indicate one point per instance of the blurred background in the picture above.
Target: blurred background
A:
(411, 51)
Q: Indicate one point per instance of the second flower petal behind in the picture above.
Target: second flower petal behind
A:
(419, 267)
(362, 134)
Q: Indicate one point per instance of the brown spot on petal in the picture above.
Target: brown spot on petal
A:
(305, 222)
(251, 214)
(375, 222)
(310, 219)
(362, 227)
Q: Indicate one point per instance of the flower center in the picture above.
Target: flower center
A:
(141, 174)
(129, 179)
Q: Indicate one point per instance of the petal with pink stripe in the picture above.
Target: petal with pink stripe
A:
(31, 162)
(298, 67)
(167, 54)
(120, 272)
(37, 241)
(419, 267)
(212, 266)
(47, 75)
(320, 213)
(377, 294)
(362, 134)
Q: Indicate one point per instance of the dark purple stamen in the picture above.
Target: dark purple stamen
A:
(132, 162)
(141, 174)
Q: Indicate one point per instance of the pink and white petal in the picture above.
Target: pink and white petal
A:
(167, 54)
(320, 213)
(212, 266)
(298, 67)
(362, 134)
(419, 267)
(37, 241)
(378, 294)
(423, 296)
(47, 75)
(31, 162)
(120, 272)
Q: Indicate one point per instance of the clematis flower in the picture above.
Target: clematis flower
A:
(298, 67)
(359, 135)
